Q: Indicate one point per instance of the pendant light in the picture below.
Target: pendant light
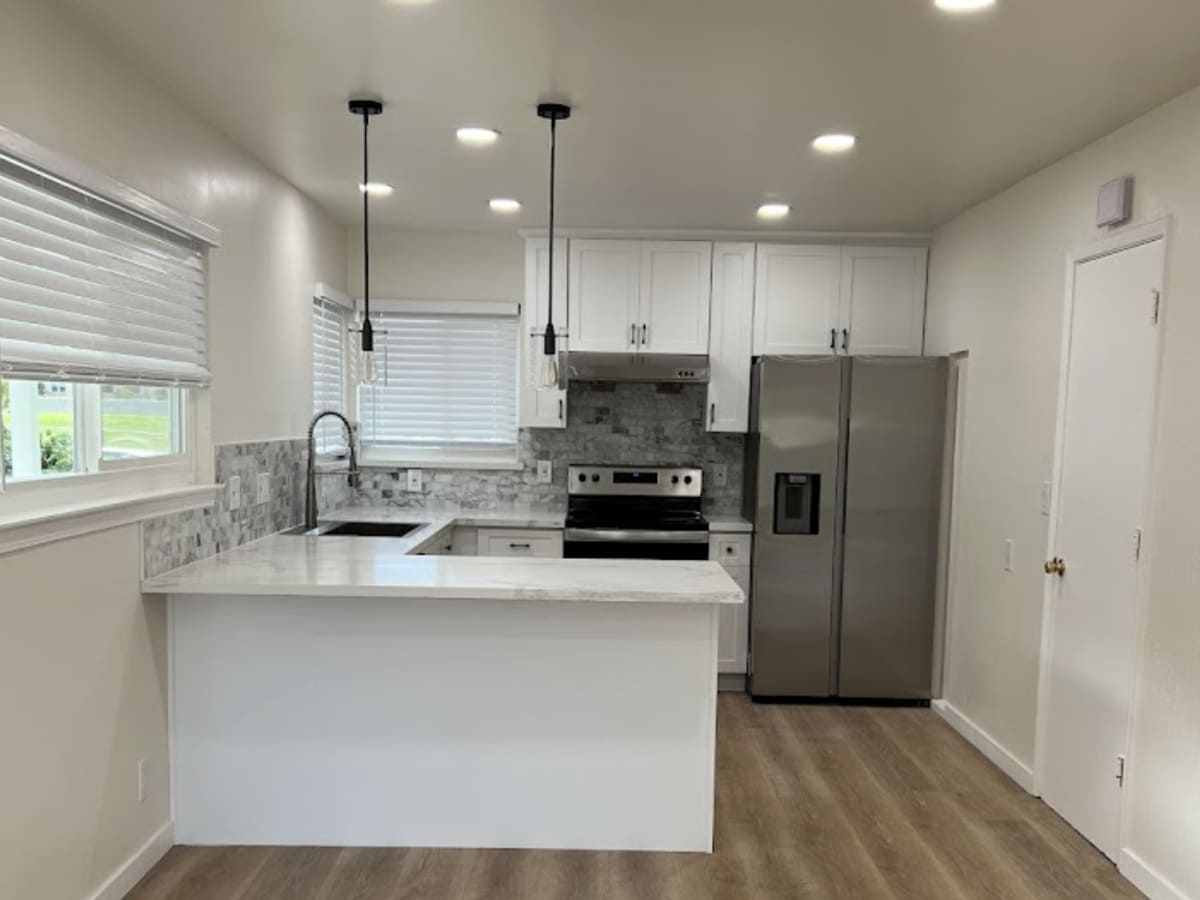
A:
(366, 108)
(550, 370)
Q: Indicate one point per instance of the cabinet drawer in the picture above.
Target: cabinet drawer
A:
(512, 542)
(730, 549)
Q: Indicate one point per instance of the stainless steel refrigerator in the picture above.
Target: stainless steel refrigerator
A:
(843, 478)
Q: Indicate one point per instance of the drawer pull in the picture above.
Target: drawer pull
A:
(520, 546)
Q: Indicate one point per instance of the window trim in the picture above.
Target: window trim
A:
(330, 294)
(395, 455)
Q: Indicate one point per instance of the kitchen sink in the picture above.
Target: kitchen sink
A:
(359, 529)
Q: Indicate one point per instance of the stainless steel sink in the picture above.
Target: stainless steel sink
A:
(358, 529)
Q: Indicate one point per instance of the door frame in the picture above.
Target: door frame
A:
(1127, 240)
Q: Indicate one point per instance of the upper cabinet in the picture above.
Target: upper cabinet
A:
(883, 301)
(640, 296)
(605, 286)
(676, 286)
(839, 300)
(541, 409)
(730, 344)
(797, 297)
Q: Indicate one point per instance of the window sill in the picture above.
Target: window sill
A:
(20, 531)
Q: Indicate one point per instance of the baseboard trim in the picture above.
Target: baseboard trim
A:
(1146, 880)
(731, 682)
(986, 744)
(134, 869)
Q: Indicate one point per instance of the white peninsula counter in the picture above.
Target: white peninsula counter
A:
(340, 691)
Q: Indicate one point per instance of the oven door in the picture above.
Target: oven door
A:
(613, 543)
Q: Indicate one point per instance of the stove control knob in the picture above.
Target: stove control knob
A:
(674, 479)
(595, 478)
(687, 479)
(582, 477)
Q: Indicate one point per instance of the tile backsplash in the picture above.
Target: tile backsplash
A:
(608, 424)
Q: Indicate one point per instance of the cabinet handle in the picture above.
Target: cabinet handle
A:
(643, 334)
(520, 546)
(712, 414)
(833, 339)
(560, 411)
(846, 340)
(633, 335)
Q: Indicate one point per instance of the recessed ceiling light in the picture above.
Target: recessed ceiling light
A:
(474, 136)
(773, 210)
(376, 189)
(834, 143)
(961, 6)
(504, 204)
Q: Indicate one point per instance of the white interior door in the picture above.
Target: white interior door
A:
(1104, 458)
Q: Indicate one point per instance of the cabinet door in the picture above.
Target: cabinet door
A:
(733, 628)
(883, 301)
(798, 290)
(730, 344)
(675, 292)
(541, 409)
(603, 296)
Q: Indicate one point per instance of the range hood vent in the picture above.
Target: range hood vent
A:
(654, 368)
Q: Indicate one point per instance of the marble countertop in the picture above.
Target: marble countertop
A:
(729, 525)
(298, 565)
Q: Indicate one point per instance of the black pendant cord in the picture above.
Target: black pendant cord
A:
(554, 112)
(368, 331)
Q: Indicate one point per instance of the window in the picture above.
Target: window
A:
(331, 321)
(102, 329)
(447, 391)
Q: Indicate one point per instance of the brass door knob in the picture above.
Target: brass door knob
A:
(1056, 567)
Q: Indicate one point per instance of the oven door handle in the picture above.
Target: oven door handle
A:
(629, 536)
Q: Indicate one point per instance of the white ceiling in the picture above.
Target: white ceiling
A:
(689, 113)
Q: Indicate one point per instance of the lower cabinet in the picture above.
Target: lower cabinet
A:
(733, 552)
(520, 542)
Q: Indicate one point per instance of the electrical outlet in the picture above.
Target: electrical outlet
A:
(1009, 554)
(414, 480)
(720, 475)
(143, 766)
(545, 471)
(234, 487)
(264, 487)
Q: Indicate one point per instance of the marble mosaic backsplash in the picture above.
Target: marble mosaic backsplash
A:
(180, 538)
(607, 424)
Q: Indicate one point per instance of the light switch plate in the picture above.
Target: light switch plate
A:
(234, 487)
(720, 475)
(414, 480)
(264, 487)
(545, 471)
(1047, 495)
(1009, 554)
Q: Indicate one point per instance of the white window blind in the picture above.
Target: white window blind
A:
(330, 322)
(88, 290)
(447, 388)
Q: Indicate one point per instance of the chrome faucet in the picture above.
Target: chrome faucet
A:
(310, 491)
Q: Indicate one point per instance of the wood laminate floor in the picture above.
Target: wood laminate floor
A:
(812, 802)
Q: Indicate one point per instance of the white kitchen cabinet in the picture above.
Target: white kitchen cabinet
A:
(798, 292)
(541, 409)
(520, 542)
(605, 287)
(731, 339)
(676, 284)
(640, 296)
(882, 301)
(733, 622)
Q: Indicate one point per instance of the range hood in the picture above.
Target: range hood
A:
(643, 367)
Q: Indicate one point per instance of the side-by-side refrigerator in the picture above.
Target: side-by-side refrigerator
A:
(843, 478)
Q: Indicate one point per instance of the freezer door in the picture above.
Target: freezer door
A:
(893, 477)
(796, 512)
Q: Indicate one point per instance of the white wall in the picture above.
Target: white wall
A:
(82, 672)
(997, 282)
(418, 264)
(61, 88)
